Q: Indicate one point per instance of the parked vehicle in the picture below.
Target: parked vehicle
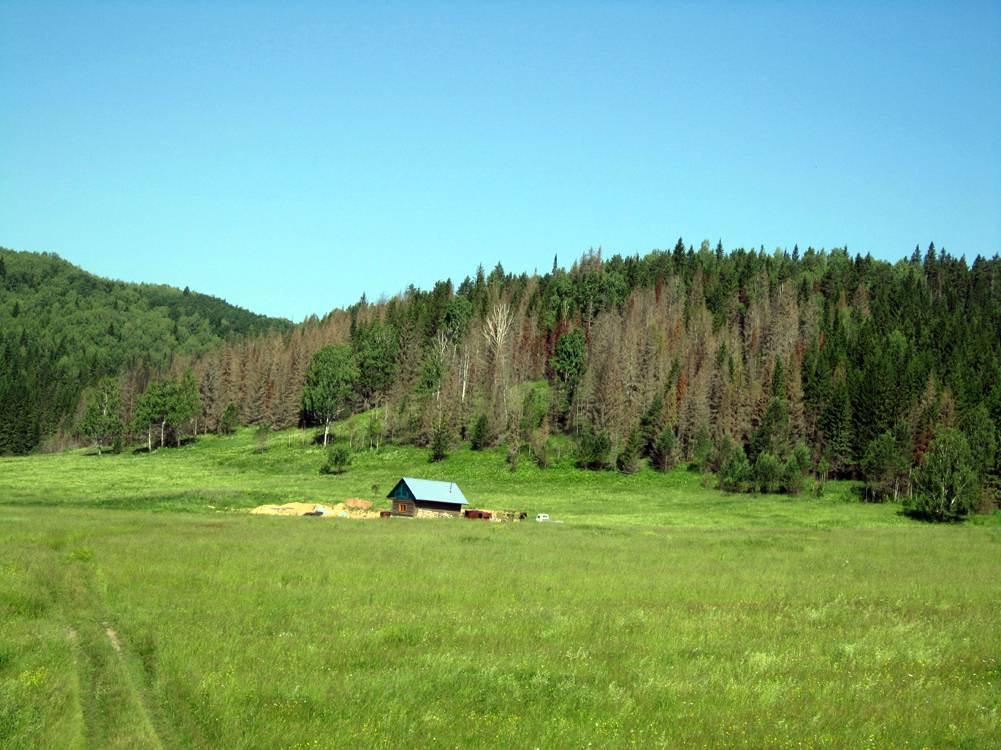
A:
(542, 517)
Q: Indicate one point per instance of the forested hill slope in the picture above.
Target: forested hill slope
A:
(678, 354)
(62, 329)
(756, 365)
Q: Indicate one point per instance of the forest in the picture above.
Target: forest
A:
(62, 330)
(764, 368)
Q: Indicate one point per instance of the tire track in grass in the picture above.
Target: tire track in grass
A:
(80, 726)
(115, 713)
(140, 702)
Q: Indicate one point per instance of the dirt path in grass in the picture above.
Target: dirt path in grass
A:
(115, 712)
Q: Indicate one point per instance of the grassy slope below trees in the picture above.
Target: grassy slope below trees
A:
(231, 473)
(221, 473)
(61, 329)
(661, 614)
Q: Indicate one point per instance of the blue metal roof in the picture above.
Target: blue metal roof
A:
(428, 489)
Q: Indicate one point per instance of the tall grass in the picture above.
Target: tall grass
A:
(229, 473)
(663, 613)
(246, 632)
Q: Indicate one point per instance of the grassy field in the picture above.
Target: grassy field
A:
(217, 474)
(661, 614)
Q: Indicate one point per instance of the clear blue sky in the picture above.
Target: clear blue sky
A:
(288, 156)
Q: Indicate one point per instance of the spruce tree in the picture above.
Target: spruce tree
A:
(981, 435)
(652, 425)
(664, 454)
(481, 433)
(629, 458)
(836, 427)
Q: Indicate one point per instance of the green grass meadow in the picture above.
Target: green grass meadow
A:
(141, 608)
(228, 473)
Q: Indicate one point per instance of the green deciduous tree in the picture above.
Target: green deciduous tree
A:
(152, 410)
(228, 420)
(102, 422)
(184, 403)
(167, 404)
(884, 467)
(330, 385)
(375, 350)
(946, 486)
(796, 469)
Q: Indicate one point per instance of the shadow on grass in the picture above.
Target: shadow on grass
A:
(169, 445)
(919, 515)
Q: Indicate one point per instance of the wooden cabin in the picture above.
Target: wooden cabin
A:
(410, 495)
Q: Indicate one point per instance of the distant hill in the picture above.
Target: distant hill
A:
(62, 329)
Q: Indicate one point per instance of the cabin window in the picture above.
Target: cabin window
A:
(402, 507)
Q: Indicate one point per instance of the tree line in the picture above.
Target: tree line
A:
(765, 368)
(761, 367)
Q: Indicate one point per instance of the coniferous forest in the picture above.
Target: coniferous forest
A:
(763, 367)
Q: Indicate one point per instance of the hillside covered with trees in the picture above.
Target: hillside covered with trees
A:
(63, 329)
(762, 367)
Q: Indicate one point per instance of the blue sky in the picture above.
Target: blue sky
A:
(289, 156)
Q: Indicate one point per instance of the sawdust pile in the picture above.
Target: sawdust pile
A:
(339, 510)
